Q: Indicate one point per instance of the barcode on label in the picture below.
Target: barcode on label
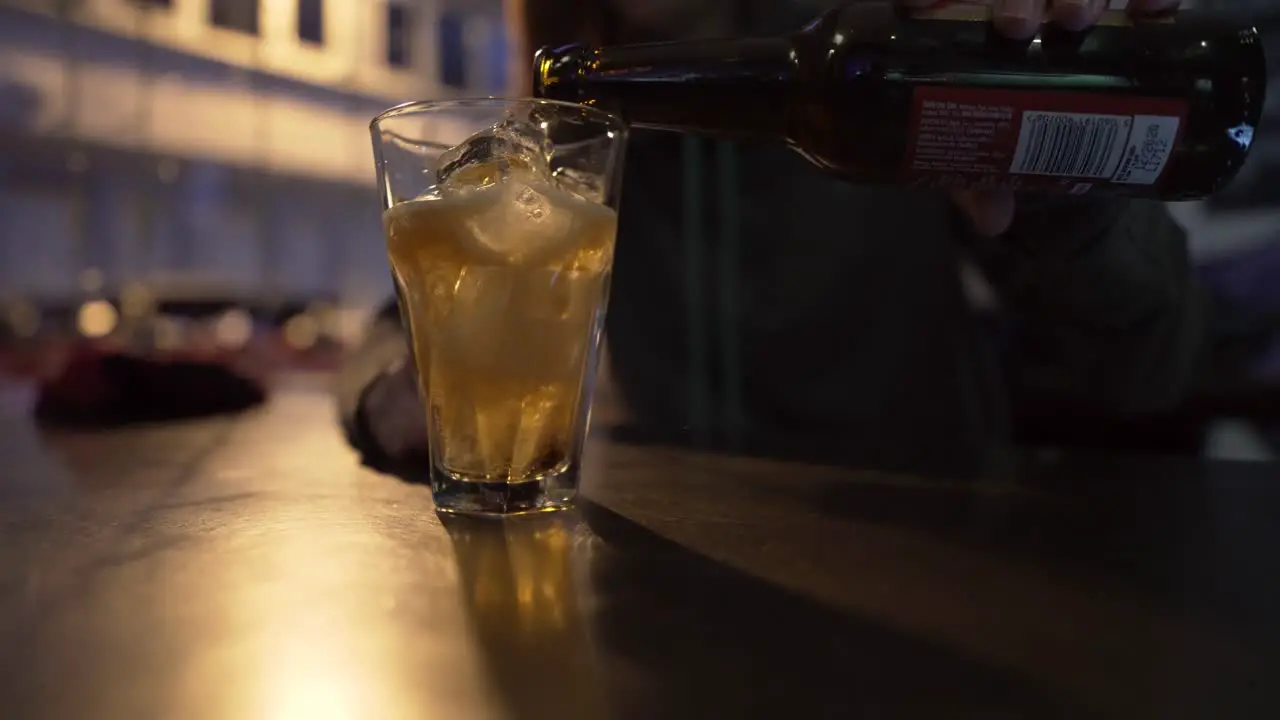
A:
(1071, 145)
(1121, 148)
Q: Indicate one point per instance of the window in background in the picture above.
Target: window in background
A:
(311, 21)
(241, 15)
(399, 32)
(453, 51)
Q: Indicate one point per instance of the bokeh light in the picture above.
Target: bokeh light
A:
(24, 319)
(233, 329)
(301, 332)
(91, 280)
(97, 319)
(170, 334)
(136, 301)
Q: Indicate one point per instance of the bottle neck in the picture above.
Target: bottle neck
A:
(728, 88)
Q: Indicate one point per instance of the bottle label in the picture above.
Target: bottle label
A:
(980, 11)
(1030, 138)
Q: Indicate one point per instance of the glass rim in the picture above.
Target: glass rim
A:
(610, 120)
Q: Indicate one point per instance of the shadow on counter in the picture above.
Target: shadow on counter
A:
(646, 628)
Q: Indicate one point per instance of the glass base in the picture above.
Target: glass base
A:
(455, 494)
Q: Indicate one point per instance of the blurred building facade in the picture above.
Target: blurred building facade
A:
(214, 141)
(226, 139)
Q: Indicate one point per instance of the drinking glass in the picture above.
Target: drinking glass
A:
(502, 255)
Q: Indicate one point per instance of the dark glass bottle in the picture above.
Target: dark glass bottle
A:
(1159, 108)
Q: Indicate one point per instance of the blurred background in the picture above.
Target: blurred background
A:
(195, 177)
(190, 173)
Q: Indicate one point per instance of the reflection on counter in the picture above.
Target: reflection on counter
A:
(520, 580)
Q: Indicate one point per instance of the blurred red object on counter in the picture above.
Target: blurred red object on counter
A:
(106, 386)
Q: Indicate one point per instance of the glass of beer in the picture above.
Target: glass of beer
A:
(500, 218)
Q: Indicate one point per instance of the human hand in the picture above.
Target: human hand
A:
(991, 209)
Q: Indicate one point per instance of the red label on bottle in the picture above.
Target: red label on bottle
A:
(1031, 138)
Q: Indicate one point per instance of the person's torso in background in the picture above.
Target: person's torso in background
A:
(755, 297)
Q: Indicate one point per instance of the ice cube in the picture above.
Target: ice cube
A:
(511, 148)
(541, 432)
(476, 327)
(581, 183)
(522, 223)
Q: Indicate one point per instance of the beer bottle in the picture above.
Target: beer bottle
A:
(1162, 108)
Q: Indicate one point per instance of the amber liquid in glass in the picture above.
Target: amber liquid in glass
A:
(503, 288)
